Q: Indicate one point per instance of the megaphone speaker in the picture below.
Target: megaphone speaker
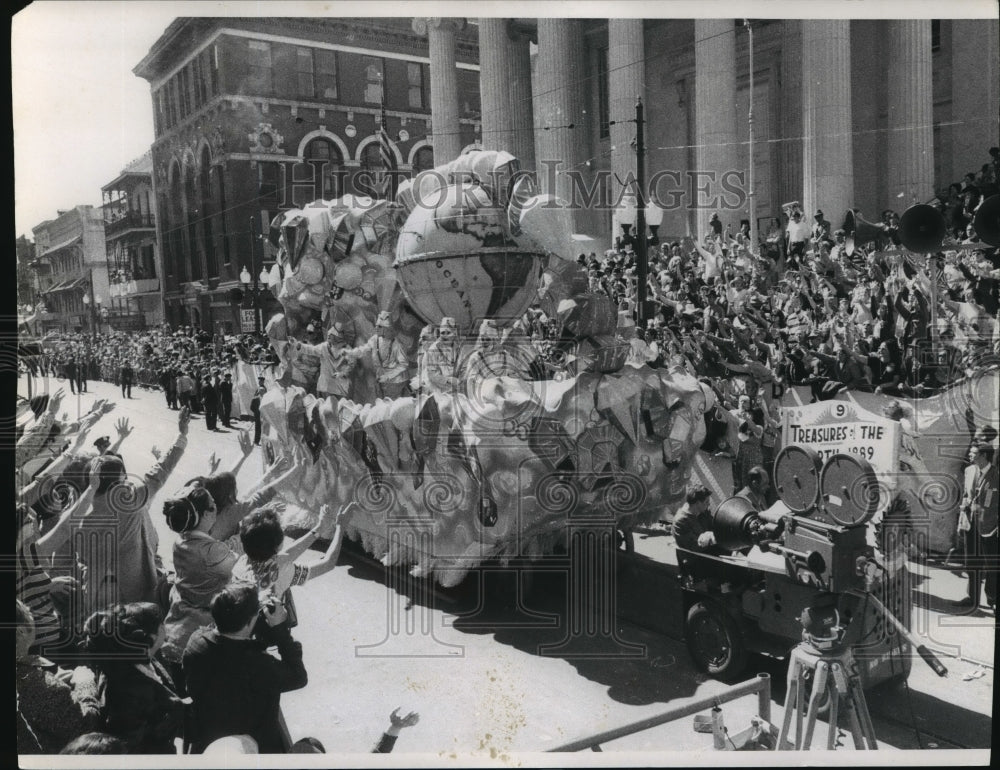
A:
(922, 228)
(986, 223)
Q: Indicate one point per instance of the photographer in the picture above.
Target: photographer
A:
(234, 683)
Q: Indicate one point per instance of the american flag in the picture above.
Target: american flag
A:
(387, 156)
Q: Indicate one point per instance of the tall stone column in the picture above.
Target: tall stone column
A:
(626, 82)
(715, 119)
(827, 156)
(975, 94)
(559, 104)
(505, 88)
(790, 148)
(522, 112)
(444, 85)
(910, 171)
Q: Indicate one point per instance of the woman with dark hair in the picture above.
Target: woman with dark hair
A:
(121, 516)
(222, 487)
(94, 743)
(273, 570)
(142, 704)
(202, 565)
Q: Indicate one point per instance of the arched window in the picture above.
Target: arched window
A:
(324, 156)
(423, 160)
(371, 158)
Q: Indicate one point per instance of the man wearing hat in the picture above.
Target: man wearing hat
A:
(102, 444)
(821, 227)
(337, 361)
(442, 356)
(389, 359)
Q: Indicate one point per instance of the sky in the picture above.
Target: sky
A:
(80, 115)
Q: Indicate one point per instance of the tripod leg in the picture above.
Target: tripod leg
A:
(861, 706)
(790, 702)
(844, 688)
(800, 691)
(819, 689)
(831, 736)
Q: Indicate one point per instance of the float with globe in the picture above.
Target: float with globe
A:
(479, 454)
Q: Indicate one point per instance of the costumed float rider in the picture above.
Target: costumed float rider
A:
(442, 357)
(390, 360)
(338, 361)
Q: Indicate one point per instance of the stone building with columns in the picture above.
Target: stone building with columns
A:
(256, 115)
(868, 114)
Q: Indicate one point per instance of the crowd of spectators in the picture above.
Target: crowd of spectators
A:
(116, 655)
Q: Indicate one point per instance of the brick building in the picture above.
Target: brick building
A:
(132, 256)
(253, 116)
(71, 269)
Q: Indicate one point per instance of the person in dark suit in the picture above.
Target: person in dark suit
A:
(226, 399)
(235, 684)
(126, 374)
(210, 400)
(70, 371)
(980, 506)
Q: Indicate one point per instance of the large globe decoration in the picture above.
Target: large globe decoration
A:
(454, 258)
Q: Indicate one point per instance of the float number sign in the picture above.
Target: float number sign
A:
(834, 426)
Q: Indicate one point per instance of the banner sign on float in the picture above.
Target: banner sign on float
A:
(830, 427)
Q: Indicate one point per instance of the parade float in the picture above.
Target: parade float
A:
(472, 454)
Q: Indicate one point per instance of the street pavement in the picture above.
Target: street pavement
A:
(473, 666)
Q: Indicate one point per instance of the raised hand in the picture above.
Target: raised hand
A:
(399, 722)
(56, 400)
(213, 464)
(184, 420)
(325, 522)
(345, 513)
(123, 428)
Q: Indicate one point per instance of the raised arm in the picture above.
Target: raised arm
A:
(56, 537)
(158, 474)
(329, 559)
(300, 546)
(34, 438)
(246, 447)
(124, 431)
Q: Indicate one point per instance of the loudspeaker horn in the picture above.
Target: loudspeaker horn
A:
(922, 228)
(986, 222)
(859, 231)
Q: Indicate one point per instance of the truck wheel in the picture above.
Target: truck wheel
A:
(715, 641)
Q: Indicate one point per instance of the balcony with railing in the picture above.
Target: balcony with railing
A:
(117, 221)
(128, 286)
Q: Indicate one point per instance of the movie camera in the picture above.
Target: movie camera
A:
(822, 536)
(820, 531)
